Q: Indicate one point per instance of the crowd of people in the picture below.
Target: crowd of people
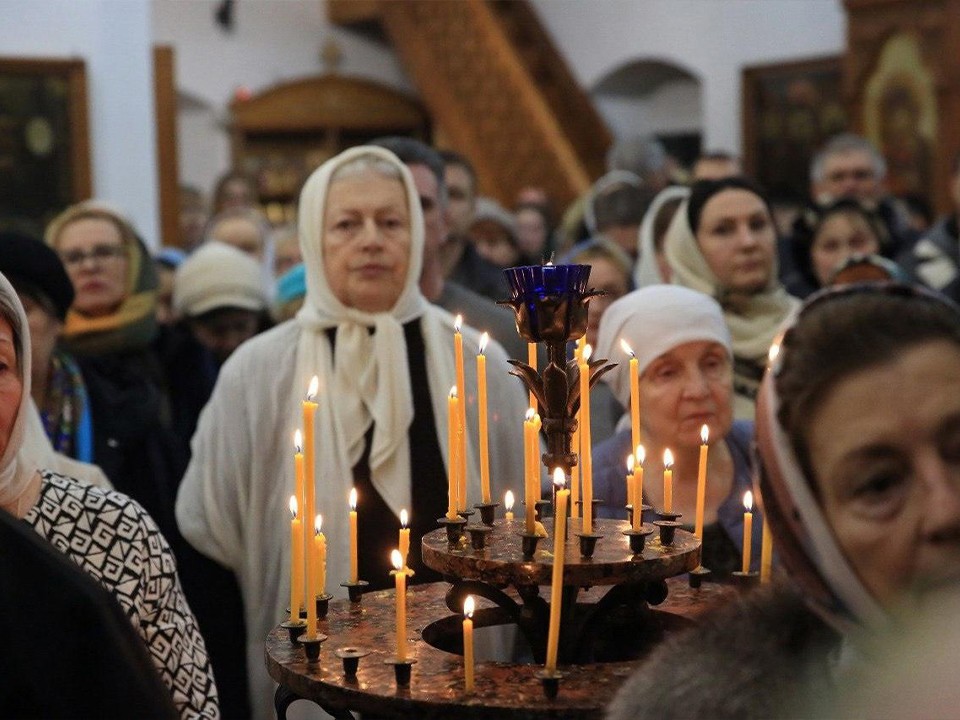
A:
(148, 402)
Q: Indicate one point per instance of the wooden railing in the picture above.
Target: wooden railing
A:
(497, 90)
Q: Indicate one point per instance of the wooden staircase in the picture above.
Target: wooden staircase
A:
(497, 89)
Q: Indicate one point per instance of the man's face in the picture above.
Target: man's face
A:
(434, 222)
(461, 198)
(849, 174)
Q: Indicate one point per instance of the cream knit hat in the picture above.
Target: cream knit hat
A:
(216, 276)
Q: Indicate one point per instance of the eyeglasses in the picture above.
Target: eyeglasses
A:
(859, 174)
(99, 254)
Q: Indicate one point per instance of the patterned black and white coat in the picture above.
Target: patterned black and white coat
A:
(115, 541)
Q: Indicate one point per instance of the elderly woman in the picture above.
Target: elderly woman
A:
(385, 360)
(858, 429)
(109, 329)
(106, 533)
(723, 243)
(686, 382)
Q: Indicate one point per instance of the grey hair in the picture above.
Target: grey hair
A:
(414, 152)
(845, 143)
(368, 162)
(641, 155)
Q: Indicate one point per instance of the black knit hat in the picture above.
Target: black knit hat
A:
(33, 267)
(703, 190)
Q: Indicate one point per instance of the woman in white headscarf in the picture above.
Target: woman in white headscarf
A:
(106, 533)
(722, 242)
(385, 360)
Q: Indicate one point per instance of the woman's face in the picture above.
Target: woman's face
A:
(889, 478)
(11, 387)
(494, 243)
(840, 236)
(737, 239)
(241, 232)
(684, 389)
(606, 276)
(531, 232)
(366, 241)
(95, 256)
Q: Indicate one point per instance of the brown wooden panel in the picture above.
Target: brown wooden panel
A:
(168, 173)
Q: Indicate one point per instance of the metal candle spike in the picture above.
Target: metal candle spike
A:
(550, 305)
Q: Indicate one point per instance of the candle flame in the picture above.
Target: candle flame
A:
(705, 434)
(314, 387)
(549, 263)
(626, 348)
(396, 559)
(667, 459)
(631, 461)
(293, 506)
(453, 391)
(469, 606)
(530, 413)
(298, 440)
(641, 454)
(559, 479)
(587, 352)
(458, 323)
(508, 500)
(318, 524)
(403, 518)
(773, 352)
(484, 339)
(748, 501)
(353, 498)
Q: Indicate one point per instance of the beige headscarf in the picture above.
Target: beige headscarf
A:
(367, 380)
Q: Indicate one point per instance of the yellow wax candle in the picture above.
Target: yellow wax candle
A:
(667, 481)
(586, 456)
(637, 501)
(532, 362)
(404, 536)
(482, 402)
(508, 504)
(468, 608)
(354, 565)
(575, 471)
(400, 579)
(296, 562)
(634, 394)
(630, 479)
(766, 552)
(530, 497)
(320, 543)
(702, 482)
(747, 529)
(556, 580)
(309, 508)
(461, 417)
(452, 464)
(298, 468)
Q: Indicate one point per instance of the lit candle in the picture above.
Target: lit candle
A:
(667, 481)
(556, 580)
(404, 536)
(468, 607)
(634, 393)
(508, 503)
(529, 494)
(535, 470)
(586, 456)
(637, 502)
(482, 401)
(400, 579)
(532, 362)
(298, 467)
(461, 417)
(354, 566)
(452, 464)
(296, 562)
(309, 508)
(702, 481)
(631, 461)
(320, 542)
(747, 529)
(766, 552)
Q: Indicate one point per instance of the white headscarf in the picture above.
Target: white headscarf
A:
(16, 471)
(367, 380)
(654, 320)
(646, 271)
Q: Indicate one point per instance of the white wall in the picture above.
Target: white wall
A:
(113, 37)
(272, 41)
(673, 107)
(712, 39)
